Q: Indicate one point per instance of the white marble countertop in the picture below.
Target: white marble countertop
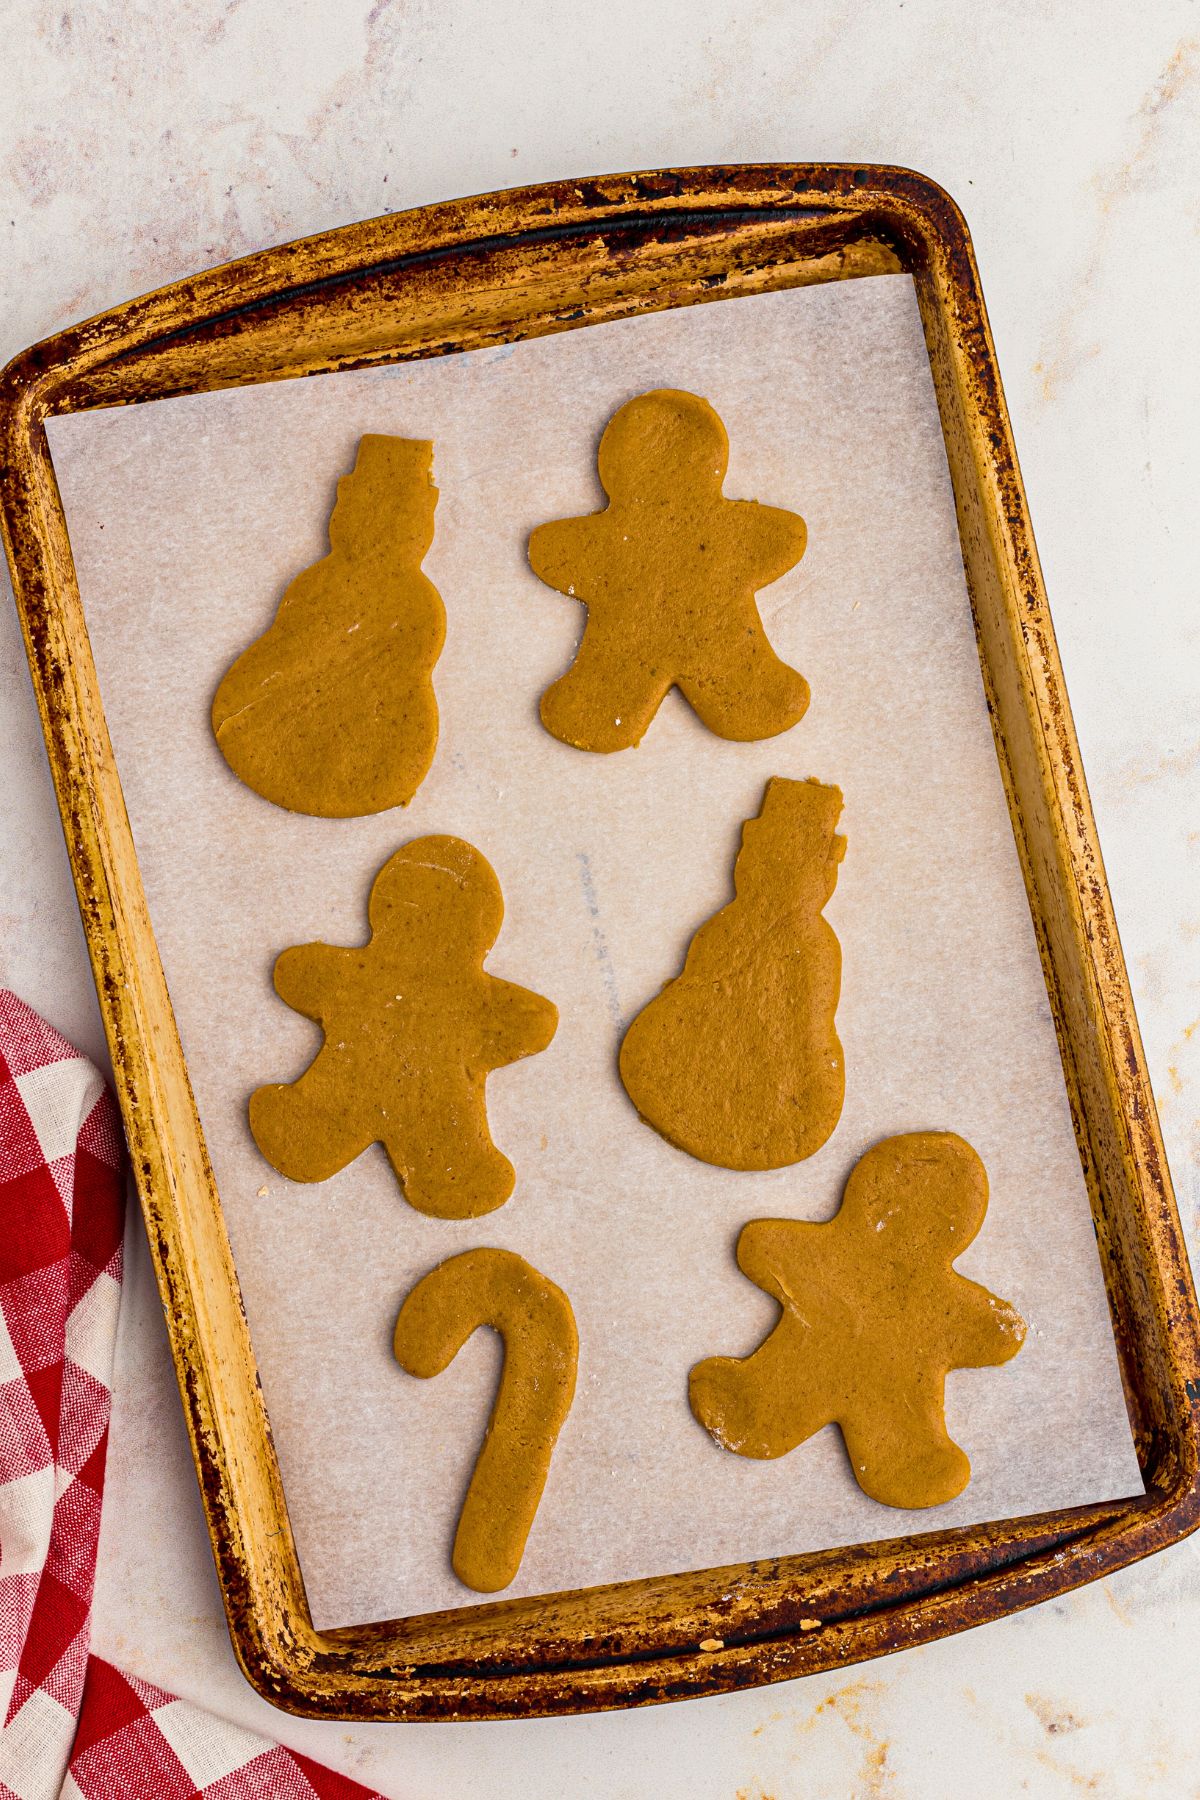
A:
(138, 144)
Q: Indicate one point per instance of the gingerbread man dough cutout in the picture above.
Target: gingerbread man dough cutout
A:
(332, 711)
(413, 1027)
(873, 1316)
(668, 573)
(737, 1060)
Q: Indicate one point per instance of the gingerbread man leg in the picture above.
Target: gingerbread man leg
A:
(457, 1179)
(754, 1405)
(745, 692)
(900, 1450)
(304, 1128)
(604, 701)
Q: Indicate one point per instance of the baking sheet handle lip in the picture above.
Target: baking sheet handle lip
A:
(1063, 1529)
(318, 1684)
(861, 195)
(194, 332)
(572, 1662)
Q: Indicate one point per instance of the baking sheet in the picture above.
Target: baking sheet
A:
(187, 518)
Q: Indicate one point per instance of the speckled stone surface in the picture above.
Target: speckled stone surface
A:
(140, 143)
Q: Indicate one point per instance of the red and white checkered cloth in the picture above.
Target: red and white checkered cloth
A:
(71, 1726)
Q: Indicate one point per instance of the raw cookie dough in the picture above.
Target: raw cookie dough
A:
(873, 1316)
(413, 1026)
(737, 1060)
(668, 573)
(537, 1385)
(332, 710)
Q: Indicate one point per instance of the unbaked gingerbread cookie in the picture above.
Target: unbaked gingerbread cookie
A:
(872, 1317)
(537, 1384)
(332, 710)
(737, 1060)
(413, 1026)
(668, 573)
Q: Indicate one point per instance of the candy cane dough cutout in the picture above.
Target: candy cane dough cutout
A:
(537, 1384)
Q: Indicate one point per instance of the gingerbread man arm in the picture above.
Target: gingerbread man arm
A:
(769, 540)
(558, 548)
(306, 976)
(982, 1329)
(766, 1246)
(516, 1022)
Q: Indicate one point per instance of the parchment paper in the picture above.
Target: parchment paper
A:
(188, 518)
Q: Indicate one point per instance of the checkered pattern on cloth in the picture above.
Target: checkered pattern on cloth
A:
(135, 1742)
(62, 1192)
